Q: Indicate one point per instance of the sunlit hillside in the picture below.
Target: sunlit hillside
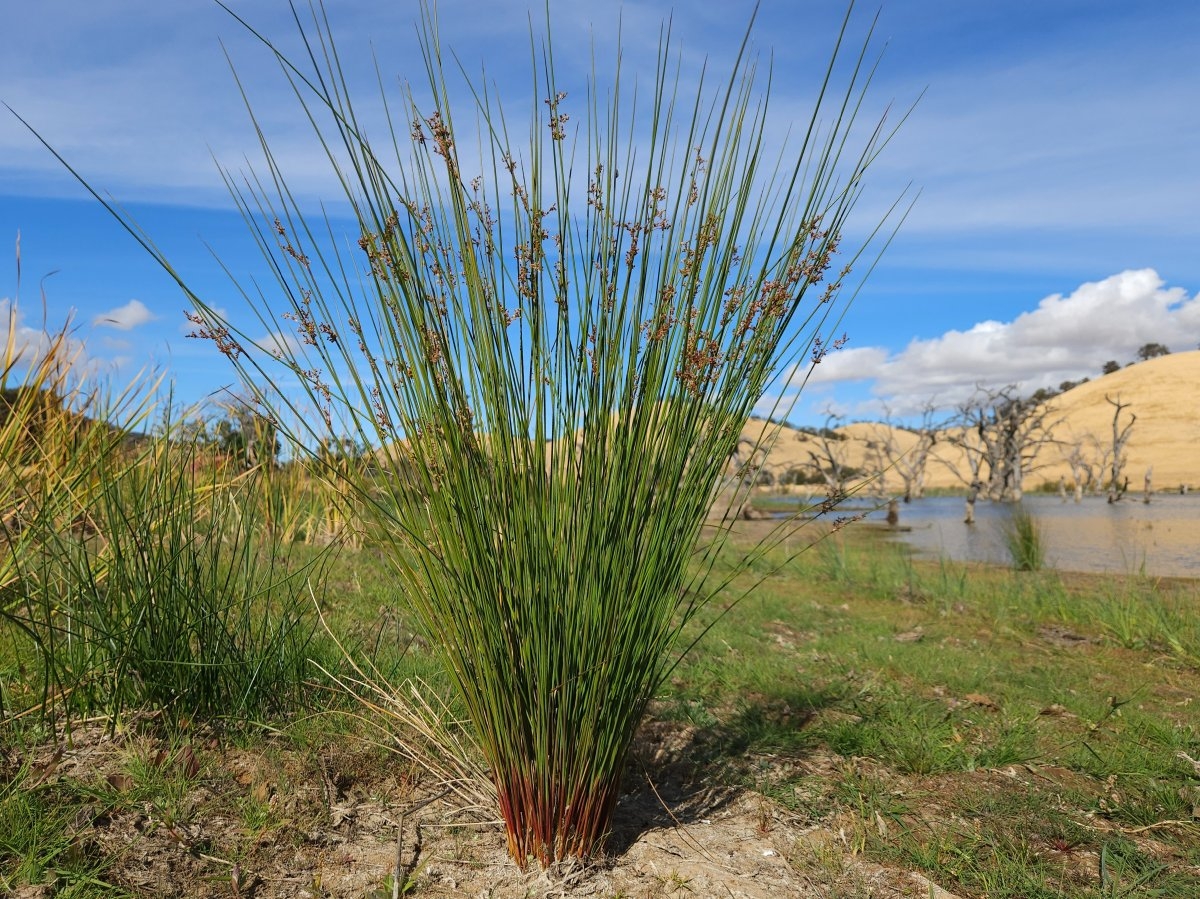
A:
(1164, 394)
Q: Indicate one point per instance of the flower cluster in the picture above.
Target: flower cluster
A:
(820, 349)
(557, 119)
(307, 325)
(286, 245)
(700, 364)
(218, 334)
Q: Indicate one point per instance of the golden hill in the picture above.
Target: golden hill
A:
(1164, 394)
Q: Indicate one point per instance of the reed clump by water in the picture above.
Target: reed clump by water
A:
(557, 338)
(1024, 540)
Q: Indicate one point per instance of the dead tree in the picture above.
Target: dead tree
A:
(829, 459)
(972, 450)
(1083, 466)
(1117, 482)
(909, 465)
(1001, 434)
(972, 496)
(878, 466)
(1103, 450)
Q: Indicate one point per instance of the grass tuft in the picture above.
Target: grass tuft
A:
(167, 593)
(1024, 540)
(551, 345)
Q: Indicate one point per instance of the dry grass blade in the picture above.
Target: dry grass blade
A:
(419, 727)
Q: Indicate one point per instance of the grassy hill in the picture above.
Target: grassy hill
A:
(1164, 394)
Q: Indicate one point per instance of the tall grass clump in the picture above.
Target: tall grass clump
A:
(58, 421)
(172, 596)
(551, 334)
(1024, 540)
(130, 577)
(55, 423)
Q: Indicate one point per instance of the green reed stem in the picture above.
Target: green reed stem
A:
(552, 338)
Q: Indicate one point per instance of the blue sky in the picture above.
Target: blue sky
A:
(1056, 150)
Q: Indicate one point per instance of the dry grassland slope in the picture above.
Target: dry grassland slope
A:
(1164, 394)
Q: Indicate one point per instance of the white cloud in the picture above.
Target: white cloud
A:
(281, 345)
(125, 318)
(1064, 338)
(30, 345)
(854, 364)
(999, 140)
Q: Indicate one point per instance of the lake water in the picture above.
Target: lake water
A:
(1161, 538)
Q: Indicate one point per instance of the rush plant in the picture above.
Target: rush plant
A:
(57, 419)
(552, 336)
(1024, 540)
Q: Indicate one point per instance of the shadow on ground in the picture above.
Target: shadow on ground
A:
(672, 775)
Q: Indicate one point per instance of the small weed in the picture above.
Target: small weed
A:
(677, 883)
(42, 840)
(389, 889)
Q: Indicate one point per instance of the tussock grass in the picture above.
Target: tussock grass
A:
(171, 594)
(557, 338)
(59, 426)
(1023, 539)
(135, 572)
(56, 422)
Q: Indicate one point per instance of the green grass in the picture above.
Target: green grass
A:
(990, 729)
(1023, 539)
(176, 595)
(1001, 729)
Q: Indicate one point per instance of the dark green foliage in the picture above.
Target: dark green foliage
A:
(1151, 351)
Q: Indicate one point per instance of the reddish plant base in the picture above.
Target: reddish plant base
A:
(550, 822)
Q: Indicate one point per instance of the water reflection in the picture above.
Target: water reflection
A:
(1160, 538)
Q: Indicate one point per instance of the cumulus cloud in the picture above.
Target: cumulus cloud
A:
(1066, 337)
(125, 318)
(855, 364)
(30, 345)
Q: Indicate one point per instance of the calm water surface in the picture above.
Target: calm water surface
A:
(1162, 538)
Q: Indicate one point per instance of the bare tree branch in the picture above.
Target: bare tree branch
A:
(1118, 482)
(1001, 435)
(886, 454)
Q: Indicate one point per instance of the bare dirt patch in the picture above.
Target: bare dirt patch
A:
(196, 817)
